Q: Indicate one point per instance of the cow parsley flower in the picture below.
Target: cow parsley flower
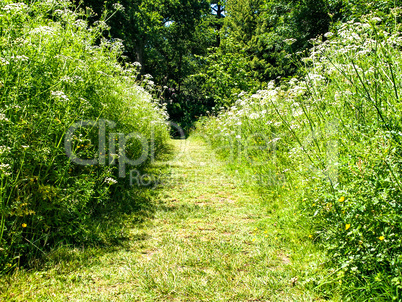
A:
(14, 7)
(118, 7)
(59, 95)
(3, 117)
(5, 169)
(110, 181)
(4, 61)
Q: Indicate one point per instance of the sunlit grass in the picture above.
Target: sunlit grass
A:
(55, 71)
(207, 240)
(328, 145)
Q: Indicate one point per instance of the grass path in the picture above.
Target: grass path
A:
(209, 239)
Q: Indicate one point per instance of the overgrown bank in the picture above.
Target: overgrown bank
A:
(56, 71)
(334, 139)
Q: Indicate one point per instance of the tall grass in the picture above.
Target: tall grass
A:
(334, 137)
(55, 70)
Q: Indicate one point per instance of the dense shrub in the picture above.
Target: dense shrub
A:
(56, 71)
(334, 136)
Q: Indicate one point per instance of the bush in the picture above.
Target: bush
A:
(56, 71)
(334, 137)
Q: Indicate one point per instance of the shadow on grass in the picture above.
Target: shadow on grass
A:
(107, 228)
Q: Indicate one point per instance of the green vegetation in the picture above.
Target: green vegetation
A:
(334, 138)
(300, 100)
(52, 75)
(203, 242)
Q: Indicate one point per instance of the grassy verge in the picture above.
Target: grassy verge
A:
(66, 99)
(333, 139)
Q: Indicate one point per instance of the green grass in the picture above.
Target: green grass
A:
(55, 71)
(333, 139)
(208, 239)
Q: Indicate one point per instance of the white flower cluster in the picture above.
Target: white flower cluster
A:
(20, 58)
(3, 117)
(14, 7)
(5, 169)
(118, 7)
(4, 62)
(43, 30)
(59, 95)
(102, 25)
(110, 181)
(4, 150)
(21, 42)
(80, 23)
(289, 41)
(71, 79)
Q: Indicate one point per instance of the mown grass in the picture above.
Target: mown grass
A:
(210, 238)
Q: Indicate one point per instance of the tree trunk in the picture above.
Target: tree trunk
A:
(139, 52)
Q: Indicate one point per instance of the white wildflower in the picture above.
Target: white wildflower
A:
(271, 85)
(102, 25)
(289, 41)
(14, 7)
(59, 95)
(46, 30)
(254, 116)
(20, 58)
(110, 181)
(5, 168)
(3, 117)
(71, 80)
(80, 23)
(4, 61)
(4, 150)
(118, 7)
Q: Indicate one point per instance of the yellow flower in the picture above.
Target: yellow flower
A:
(255, 229)
(347, 226)
(381, 238)
(342, 199)
(265, 232)
(310, 236)
(253, 239)
(24, 225)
